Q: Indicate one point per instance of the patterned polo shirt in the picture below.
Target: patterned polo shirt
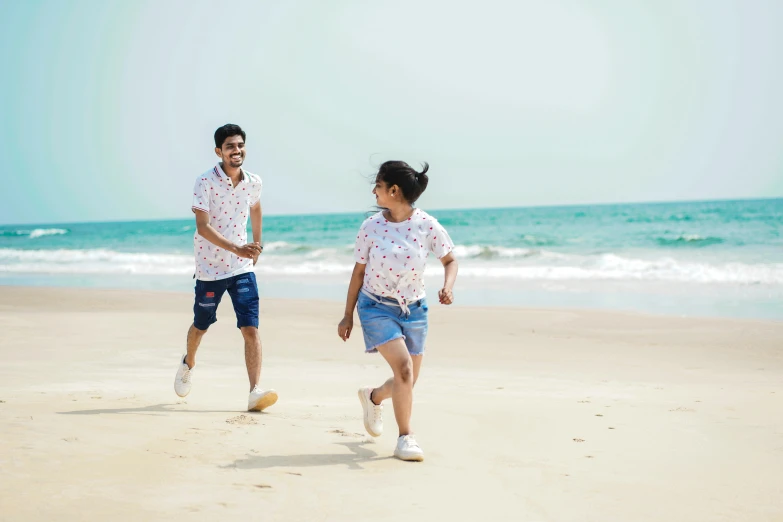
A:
(228, 208)
(396, 254)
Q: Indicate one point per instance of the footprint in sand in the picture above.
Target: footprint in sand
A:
(174, 455)
(681, 408)
(242, 420)
(346, 433)
(579, 440)
(259, 486)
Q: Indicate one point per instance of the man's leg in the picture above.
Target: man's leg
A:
(183, 379)
(259, 399)
(252, 354)
(194, 341)
(244, 294)
(208, 295)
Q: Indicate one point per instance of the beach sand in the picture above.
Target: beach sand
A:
(524, 415)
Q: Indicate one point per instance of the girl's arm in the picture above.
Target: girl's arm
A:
(450, 267)
(346, 325)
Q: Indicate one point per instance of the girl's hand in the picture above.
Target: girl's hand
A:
(345, 327)
(445, 296)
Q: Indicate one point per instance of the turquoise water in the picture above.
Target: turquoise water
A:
(700, 258)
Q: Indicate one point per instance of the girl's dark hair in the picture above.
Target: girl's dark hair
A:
(399, 173)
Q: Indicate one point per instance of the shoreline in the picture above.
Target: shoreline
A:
(470, 294)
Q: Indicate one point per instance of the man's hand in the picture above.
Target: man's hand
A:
(345, 327)
(248, 251)
(445, 296)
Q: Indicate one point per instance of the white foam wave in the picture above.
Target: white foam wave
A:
(36, 232)
(546, 266)
(496, 252)
(95, 261)
(610, 267)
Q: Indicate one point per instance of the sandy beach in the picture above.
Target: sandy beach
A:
(524, 415)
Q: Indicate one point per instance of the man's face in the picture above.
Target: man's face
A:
(232, 153)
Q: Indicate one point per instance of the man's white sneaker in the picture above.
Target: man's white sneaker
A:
(373, 413)
(182, 382)
(408, 449)
(260, 400)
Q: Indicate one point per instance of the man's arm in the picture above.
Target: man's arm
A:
(256, 221)
(209, 233)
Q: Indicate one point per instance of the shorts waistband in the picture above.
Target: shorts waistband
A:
(388, 301)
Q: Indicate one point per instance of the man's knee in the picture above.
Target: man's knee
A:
(198, 332)
(249, 332)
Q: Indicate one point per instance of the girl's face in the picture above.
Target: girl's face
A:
(385, 196)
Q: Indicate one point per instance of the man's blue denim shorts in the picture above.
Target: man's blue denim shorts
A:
(244, 296)
(382, 323)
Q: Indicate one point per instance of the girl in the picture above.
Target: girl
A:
(387, 283)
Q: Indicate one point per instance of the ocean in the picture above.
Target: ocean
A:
(718, 258)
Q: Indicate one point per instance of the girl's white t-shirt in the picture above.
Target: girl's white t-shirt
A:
(396, 254)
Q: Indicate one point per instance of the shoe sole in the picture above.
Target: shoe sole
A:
(365, 408)
(264, 402)
(411, 458)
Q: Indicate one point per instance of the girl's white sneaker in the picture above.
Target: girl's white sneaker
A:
(408, 449)
(373, 413)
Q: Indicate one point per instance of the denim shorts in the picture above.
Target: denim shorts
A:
(382, 323)
(244, 296)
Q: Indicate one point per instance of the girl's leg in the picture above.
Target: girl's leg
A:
(396, 354)
(384, 391)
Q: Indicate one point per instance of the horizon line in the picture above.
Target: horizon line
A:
(342, 213)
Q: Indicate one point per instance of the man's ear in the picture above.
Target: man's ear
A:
(217, 152)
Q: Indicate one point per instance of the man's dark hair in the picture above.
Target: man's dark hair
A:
(225, 132)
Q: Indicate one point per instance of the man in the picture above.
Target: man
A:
(223, 198)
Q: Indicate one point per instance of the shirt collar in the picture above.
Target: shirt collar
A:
(224, 177)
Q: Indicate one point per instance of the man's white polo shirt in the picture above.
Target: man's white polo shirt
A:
(228, 208)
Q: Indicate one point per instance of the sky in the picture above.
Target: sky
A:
(108, 107)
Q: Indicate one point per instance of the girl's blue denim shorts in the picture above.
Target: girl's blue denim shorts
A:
(382, 323)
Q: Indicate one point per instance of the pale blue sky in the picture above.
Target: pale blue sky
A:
(108, 107)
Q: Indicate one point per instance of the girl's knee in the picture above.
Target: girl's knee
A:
(404, 371)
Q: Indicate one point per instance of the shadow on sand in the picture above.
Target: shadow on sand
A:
(153, 409)
(359, 455)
